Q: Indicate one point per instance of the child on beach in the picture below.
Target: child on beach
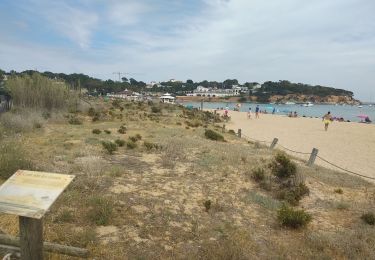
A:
(327, 120)
(249, 113)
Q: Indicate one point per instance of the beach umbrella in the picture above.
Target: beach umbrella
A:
(363, 116)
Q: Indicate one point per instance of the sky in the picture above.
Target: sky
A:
(326, 42)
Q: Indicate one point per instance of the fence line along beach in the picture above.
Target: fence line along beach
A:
(349, 145)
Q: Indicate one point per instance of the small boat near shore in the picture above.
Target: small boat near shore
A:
(308, 104)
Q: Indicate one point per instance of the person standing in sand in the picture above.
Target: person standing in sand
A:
(257, 112)
(327, 120)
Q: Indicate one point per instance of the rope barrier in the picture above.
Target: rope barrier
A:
(304, 153)
(332, 164)
(290, 150)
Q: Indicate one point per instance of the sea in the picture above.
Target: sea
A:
(348, 112)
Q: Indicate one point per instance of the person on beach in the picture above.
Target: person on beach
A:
(327, 120)
(249, 113)
(273, 111)
(257, 112)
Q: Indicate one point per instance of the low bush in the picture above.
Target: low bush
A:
(91, 112)
(282, 166)
(135, 138)
(131, 145)
(289, 217)
(96, 131)
(293, 194)
(65, 215)
(109, 146)
(212, 135)
(369, 218)
(74, 120)
(122, 129)
(155, 109)
(120, 142)
(232, 132)
(22, 121)
(258, 174)
(193, 123)
(207, 205)
(107, 132)
(149, 146)
(339, 191)
(12, 159)
(100, 210)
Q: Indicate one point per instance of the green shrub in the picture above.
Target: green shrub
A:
(369, 218)
(107, 132)
(138, 136)
(149, 146)
(194, 123)
(135, 138)
(258, 174)
(339, 191)
(207, 205)
(232, 132)
(120, 142)
(109, 146)
(96, 117)
(212, 135)
(91, 112)
(122, 129)
(96, 131)
(12, 159)
(155, 109)
(282, 166)
(73, 120)
(289, 217)
(293, 194)
(100, 210)
(65, 215)
(131, 145)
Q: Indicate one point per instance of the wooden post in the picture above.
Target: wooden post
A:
(223, 130)
(31, 238)
(202, 105)
(239, 133)
(313, 155)
(274, 143)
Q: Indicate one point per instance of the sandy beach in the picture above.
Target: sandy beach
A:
(349, 145)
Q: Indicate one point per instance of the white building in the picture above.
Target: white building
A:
(167, 98)
(201, 91)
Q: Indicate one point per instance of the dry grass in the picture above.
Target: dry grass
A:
(152, 201)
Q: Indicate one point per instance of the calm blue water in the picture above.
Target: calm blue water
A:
(347, 112)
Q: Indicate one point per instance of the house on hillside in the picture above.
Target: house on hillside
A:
(167, 98)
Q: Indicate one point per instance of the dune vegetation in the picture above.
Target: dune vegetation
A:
(159, 181)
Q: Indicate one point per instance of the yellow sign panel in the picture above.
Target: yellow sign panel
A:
(31, 194)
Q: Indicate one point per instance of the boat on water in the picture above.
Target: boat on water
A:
(289, 103)
(308, 104)
(360, 106)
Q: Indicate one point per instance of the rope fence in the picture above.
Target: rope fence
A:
(313, 155)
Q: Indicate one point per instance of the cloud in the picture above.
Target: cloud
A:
(74, 22)
(317, 42)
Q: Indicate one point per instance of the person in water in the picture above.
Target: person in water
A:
(327, 120)
(257, 111)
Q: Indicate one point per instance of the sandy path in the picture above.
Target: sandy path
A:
(349, 145)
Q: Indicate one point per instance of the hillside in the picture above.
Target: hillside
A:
(171, 193)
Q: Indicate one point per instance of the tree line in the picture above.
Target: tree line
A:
(97, 86)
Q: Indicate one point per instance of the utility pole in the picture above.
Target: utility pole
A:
(119, 75)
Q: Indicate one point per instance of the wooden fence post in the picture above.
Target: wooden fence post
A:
(31, 238)
(239, 133)
(313, 155)
(223, 129)
(202, 105)
(274, 142)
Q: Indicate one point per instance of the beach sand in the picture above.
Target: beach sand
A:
(349, 145)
